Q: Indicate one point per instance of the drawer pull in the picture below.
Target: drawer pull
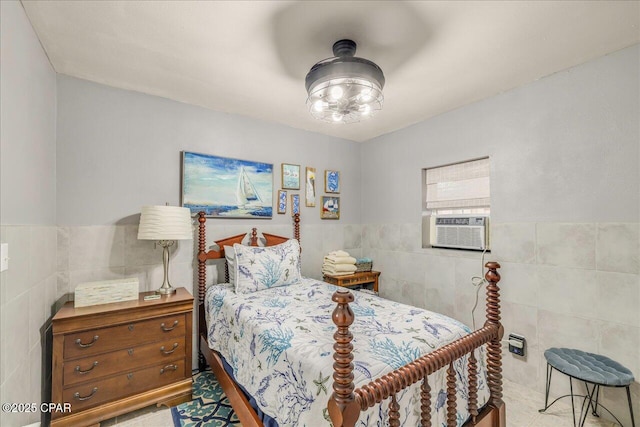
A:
(131, 327)
(130, 351)
(129, 376)
(77, 396)
(175, 323)
(81, 372)
(80, 344)
(175, 346)
(169, 368)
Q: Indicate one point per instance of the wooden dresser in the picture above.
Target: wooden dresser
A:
(114, 358)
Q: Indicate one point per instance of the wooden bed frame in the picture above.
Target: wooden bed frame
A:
(347, 402)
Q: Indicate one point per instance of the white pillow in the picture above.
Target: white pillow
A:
(230, 255)
(259, 268)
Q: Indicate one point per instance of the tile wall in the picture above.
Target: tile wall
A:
(573, 285)
(564, 285)
(28, 297)
(90, 253)
(48, 262)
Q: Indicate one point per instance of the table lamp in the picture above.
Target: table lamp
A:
(165, 224)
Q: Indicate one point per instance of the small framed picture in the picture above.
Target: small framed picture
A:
(331, 181)
(310, 188)
(330, 208)
(290, 177)
(295, 204)
(282, 201)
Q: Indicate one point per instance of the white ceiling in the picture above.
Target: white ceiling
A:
(251, 57)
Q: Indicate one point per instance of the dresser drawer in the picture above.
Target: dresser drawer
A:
(98, 341)
(93, 393)
(100, 365)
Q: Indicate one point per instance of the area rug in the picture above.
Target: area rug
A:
(209, 407)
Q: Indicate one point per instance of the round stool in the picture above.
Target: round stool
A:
(592, 369)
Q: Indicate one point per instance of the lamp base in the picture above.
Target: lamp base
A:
(166, 288)
(166, 291)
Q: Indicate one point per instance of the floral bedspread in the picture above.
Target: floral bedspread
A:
(279, 342)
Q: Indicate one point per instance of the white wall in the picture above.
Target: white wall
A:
(28, 87)
(27, 210)
(118, 150)
(564, 148)
(565, 193)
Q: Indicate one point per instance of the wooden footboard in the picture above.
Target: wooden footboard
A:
(346, 402)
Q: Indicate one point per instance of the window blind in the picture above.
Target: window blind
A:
(461, 185)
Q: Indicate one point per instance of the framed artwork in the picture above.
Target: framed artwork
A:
(331, 181)
(226, 188)
(282, 201)
(290, 177)
(295, 204)
(310, 187)
(330, 208)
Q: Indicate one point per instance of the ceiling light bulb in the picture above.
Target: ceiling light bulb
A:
(318, 105)
(365, 96)
(336, 92)
(365, 109)
(336, 117)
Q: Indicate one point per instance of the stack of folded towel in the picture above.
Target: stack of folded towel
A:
(339, 263)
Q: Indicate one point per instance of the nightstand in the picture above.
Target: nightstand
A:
(110, 359)
(359, 278)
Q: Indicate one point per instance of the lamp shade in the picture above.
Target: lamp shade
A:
(165, 223)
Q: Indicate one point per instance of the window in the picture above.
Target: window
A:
(456, 189)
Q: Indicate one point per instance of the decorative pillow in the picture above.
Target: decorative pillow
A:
(230, 255)
(259, 268)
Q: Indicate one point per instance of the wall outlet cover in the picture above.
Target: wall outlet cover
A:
(517, 345)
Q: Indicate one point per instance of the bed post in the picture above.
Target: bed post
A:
(344, 410)
(494, 348)
(296, 228)
(202, 257)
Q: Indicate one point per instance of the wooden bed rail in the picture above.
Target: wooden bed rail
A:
(346, 402)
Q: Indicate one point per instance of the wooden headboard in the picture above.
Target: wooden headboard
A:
(204, 255)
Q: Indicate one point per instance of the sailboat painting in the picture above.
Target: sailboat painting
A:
(226, 188)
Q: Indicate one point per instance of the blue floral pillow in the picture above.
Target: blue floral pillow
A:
(259, 268)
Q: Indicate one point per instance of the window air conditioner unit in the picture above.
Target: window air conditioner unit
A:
(460, 232)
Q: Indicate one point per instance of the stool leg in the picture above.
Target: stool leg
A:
(573, 410)
(589, 403)
(633, 422)
(595, 407)
(546, 393)
(580, 420)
